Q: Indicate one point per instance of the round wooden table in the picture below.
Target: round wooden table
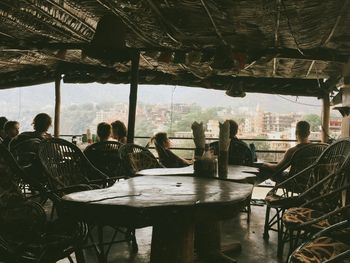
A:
(171, 204)
(235, 173)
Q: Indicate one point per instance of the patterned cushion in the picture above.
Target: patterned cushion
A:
(295, 216)
(319, 250)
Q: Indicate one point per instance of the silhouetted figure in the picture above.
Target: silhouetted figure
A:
(302, 132)
(166, 156)
(119, 131)
(239, 153)
(11, 130)
(104, 131)
(41, 123)
(3, 120)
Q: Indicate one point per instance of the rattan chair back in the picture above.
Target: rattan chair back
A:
(105, 157)
(65, 164)
(135, 158)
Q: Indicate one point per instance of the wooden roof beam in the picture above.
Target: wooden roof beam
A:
(320, 54)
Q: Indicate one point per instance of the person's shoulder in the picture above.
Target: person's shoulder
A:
(293, 149)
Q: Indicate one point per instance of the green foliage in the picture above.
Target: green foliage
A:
(314, 120)
(183, 122)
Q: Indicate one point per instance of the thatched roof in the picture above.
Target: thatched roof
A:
(277, 46)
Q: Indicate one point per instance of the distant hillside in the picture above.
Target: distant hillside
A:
(39, 97)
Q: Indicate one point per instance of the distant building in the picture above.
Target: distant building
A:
(213, 129)
(335, 126)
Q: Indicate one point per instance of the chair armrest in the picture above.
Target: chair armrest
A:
(290, 179)
(340, 257)
(323, 217)
(311, 189)
(331, 228)
(318, 198)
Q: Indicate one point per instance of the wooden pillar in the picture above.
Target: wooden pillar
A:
(133, 95)
(57, 106)
(325, 118)
(345, 126)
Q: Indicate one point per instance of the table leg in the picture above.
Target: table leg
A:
(207, 243)
(172, 243)
(102, 257)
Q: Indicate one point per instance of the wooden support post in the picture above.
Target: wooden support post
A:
(57, 106)
(133, 95)
(325, 118)
(345, 127)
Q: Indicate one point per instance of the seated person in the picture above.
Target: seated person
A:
(239, 152)
(11, 130)
(166, 156)
(3, 120)
(41, 123)
(104, 131)
(302, 132)
(119, 131)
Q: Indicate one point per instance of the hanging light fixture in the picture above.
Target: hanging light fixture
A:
(235, 89)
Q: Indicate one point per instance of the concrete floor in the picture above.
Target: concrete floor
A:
(254, 248)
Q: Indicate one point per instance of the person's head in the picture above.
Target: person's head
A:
(302, 130)
(3, 120)
(42, 122)
(104, 131)
(119, 130)
(233, 128)
(161, 139)
(11, 128)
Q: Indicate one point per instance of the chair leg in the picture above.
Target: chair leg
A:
(79, 255)
(248, 212)
(135, 247)
(102, 257)
(280, 235)
(266, 226)
(291, 241)
(294, 240)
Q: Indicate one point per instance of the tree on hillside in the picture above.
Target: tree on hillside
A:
(184, 121)
(314, 120)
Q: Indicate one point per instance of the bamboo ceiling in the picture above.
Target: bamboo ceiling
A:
(278, 46)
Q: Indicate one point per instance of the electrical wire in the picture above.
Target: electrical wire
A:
(172, 108)
(297, 102)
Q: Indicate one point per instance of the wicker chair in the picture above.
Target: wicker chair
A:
(25, 151)
(300, 160)
(135, 158)
(322, 203)
(105, 157)
(25, 234)
(329, 245)
(69, 170)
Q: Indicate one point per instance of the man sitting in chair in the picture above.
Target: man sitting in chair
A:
(104, 131)
(302, 132)
(11, 129)
(239, 152)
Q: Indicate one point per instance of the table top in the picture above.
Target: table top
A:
(235, 173)
(145, 200)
